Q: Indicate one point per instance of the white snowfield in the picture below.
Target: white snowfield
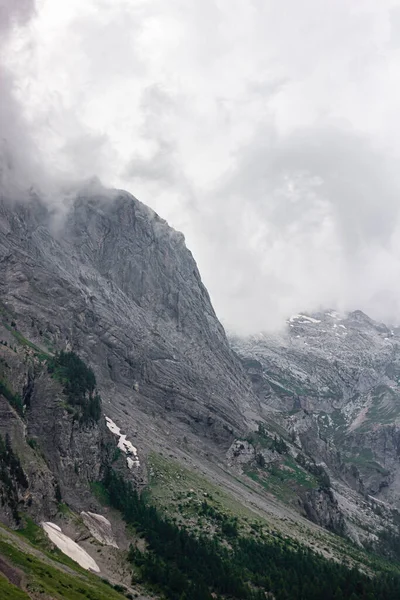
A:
(125, 445)
(69, 547)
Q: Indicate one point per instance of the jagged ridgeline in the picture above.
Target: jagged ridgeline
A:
(134, 433)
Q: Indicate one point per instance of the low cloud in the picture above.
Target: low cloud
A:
(17, 154)
(267, 133)
(312, 220)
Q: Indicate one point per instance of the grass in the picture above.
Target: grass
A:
(273, 428)
(172, 485)
(11, 592)
(180, 492)
(365, 462)
(33, 533)
(20, 338)
(284, 481)
(64, 509)
(295, 473)
(48, 579)
(23, 341)
(14, 399)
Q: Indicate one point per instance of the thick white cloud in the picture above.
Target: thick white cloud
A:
(17, 155)
(267, 131)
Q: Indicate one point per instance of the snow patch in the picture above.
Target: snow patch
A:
(380, 501)
(334, 315)
(293, 318)
(125, 445)
(113, 427)
(69, 547)
(305, 319)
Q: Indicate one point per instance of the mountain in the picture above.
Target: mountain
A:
(112, 281)
(136, 438)
(332, 382)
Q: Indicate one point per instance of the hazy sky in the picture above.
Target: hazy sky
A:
(268, 131)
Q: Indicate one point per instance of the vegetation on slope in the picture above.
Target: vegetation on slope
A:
(12, 477)
(79, 384)
(14, 399)
(50, 577)
(8, 591)
(183, 565)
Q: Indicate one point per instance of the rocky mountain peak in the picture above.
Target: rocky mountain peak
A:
(110, 279)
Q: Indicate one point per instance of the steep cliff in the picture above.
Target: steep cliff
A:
(102, 299)
(113, 281)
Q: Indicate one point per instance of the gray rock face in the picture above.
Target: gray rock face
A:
(74, 453)
(240, 453)
(333, 381)
(322, 507)
(100, 528)
(60, 456)
(114, 282)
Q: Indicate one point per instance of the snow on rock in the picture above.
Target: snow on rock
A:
(125, 445)
(113, 427)
(100, 528)
(304, 318)
(334, 315)
(69, 547)
(380, 501)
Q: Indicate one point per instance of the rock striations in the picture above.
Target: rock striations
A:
(111, 280)
(309, 416)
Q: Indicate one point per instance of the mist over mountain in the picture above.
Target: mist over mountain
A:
(120, 390)
(281, 172)
(222, 424)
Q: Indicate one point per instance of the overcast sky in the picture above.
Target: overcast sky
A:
(268, 131)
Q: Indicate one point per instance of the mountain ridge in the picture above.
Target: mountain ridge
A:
(79, 261)
(219, 431)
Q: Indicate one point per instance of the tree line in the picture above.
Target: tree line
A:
(184, 566)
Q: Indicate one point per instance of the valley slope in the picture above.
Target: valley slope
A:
(114, 368)
(332, 382)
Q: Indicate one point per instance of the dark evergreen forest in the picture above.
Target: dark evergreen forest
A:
(184, 566)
